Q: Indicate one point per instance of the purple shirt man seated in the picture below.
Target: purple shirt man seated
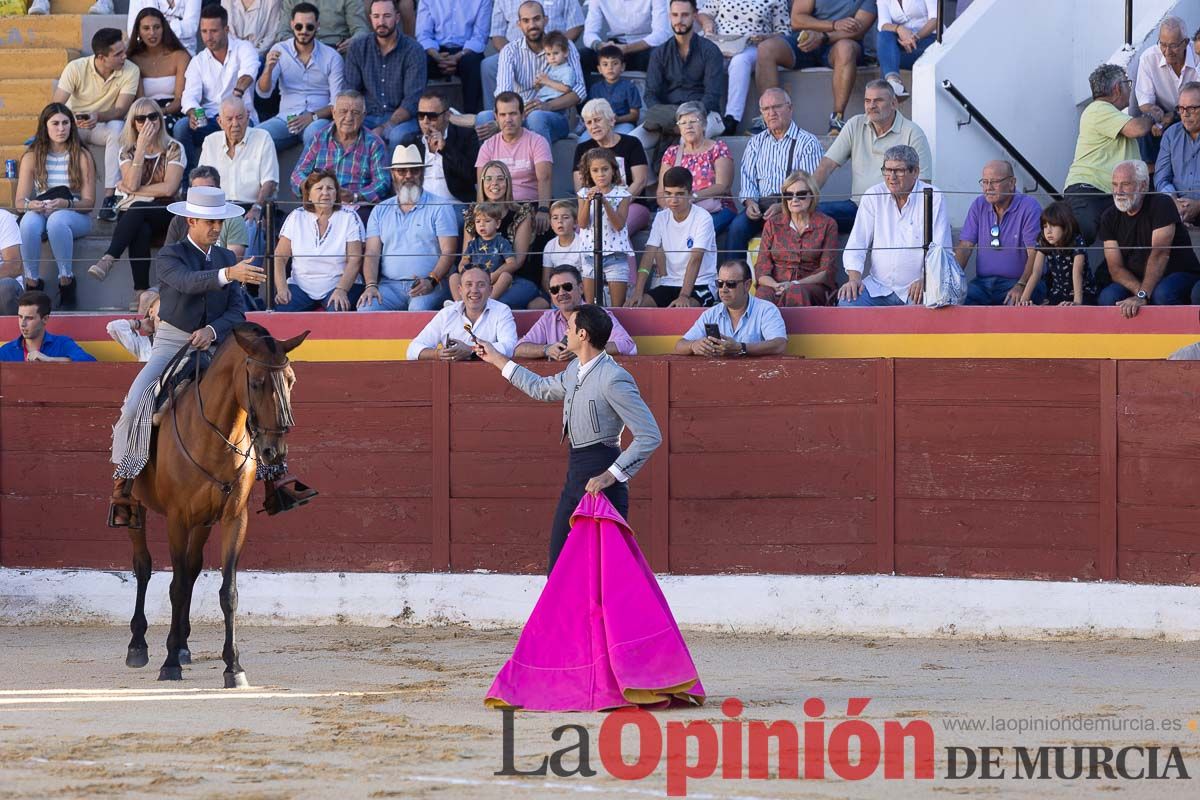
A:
(1002, 228)
(545, 338)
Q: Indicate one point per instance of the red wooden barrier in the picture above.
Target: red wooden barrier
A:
(1014, 468)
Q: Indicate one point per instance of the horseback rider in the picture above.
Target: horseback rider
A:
(201, 301)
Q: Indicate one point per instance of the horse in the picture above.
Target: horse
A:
(202, 468)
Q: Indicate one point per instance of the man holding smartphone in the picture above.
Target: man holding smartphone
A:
(99, 89)
(599, 399)
(741, 325)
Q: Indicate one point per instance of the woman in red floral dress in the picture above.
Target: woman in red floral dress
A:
(797, 256)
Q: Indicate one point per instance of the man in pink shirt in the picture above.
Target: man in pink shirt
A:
(525, 153)
(545, 338)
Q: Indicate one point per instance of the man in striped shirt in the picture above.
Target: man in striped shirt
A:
(561, 15)
(769, 158)
(355, 155)
(520, 64)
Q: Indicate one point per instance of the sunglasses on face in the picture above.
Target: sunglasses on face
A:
(728, 284)
(562, 287)
(153, 116)
(803, 194)
(301, 27)
(429, 114)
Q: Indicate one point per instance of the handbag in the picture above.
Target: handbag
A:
(945, 283)
(729, 44)
(56, 193)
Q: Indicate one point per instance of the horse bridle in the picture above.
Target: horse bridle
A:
(252, 427)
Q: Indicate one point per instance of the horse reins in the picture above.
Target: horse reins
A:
(252, 427)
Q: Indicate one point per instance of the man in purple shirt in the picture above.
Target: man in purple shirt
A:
(1002, 226)
(545, 338)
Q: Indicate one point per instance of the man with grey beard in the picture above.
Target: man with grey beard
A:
(1146, 247)
(412, 240)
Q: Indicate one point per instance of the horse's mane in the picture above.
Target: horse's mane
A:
(252, 331)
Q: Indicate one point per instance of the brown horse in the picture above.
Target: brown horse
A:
(200, 474)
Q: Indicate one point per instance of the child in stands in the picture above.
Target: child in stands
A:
(563, 250)
(487, 249)
(602, 179)
(557, 79)
(1062, 256)
(620, 92)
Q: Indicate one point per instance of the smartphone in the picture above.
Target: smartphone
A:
(82, 117)
(449, 342)
(712, 330)
(563, 340)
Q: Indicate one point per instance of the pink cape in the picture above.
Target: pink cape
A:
(601, 635)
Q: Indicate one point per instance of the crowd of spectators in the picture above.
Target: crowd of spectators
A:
(401, 195)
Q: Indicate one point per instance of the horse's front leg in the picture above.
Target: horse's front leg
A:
(195, 563)
(138, 653)
(233, 534)
(177, 537)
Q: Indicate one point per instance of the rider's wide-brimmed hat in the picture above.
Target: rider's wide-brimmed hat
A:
(205, 202)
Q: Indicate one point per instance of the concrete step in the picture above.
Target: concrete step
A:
(8, 189)
(24, 62)
(15, 130)
(21, 96)
(112, 294)
(53, 30)
(13, 151)
(70, 6)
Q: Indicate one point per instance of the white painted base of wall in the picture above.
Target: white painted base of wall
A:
(810, 605)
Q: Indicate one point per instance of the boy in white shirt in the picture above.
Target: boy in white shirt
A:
(564, 250)
(683, 245)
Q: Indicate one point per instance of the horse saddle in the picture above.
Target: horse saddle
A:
(177, 377)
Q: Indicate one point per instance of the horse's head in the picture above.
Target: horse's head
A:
(266, 393)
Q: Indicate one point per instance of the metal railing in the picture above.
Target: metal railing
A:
(974, 114)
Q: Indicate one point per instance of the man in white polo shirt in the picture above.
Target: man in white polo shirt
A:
(452, 333)
(683, 245)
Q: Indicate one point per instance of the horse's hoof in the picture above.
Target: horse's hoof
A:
(185, 657)
(236, 680)
(137, 657)
(170, 674)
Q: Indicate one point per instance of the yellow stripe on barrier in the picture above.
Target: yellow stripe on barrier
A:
(825, 345)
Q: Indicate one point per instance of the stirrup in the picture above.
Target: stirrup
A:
(134, 508)
(285, 494)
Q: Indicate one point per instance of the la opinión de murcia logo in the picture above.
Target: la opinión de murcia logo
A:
(851, 749)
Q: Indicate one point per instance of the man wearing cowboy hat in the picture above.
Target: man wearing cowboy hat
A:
(201, 299)
(412, 242)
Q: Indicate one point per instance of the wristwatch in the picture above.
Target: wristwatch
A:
(1141, 295)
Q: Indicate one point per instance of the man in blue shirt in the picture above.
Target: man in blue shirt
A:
(35, 343)
(389, 69)
(746, 325)
(454, 36)
(1177, 170)
(412, 242)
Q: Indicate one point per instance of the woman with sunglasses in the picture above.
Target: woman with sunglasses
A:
(151, 170)
(797, 259)
(56, 188)
(495, 186)
(162, 60)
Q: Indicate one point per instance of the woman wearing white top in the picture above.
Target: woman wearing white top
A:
(182, 15)
(906, 29)
(756, 20)
(325, 243)
(56, 160)
(162, 60)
